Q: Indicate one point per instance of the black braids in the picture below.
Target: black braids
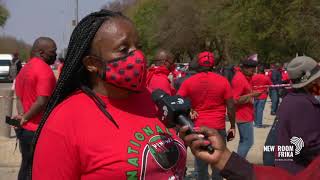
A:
(69, 80)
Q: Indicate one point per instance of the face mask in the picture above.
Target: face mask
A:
(49, 57)
(52, 59)
(127, 72)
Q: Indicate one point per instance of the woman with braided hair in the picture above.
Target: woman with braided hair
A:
(100, 122)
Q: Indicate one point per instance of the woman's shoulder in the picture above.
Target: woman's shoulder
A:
(78, 101)
(76, 107)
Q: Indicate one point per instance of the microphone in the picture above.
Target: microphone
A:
(175, 110)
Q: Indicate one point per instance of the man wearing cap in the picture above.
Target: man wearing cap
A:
(211, 98)
(157, 77)
(243, 96)
(299, 114)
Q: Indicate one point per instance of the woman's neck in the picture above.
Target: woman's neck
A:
(111, 91)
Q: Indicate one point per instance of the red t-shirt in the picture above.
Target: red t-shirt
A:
(35, 79)
(157, 78)
(240, 87)
(269, 73)
(79, 142)
(208, 93)
(261, 80)
(285, 76)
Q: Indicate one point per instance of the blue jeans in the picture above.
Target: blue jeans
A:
(201, 167)
(258, 111)
(246, 138)
(274, 93)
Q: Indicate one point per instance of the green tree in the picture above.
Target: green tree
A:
(145, 15)
(276, 30)
(4, 14)
(9, 45)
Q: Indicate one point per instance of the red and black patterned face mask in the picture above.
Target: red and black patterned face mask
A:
(127, 72)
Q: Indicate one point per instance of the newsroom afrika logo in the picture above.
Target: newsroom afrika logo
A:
(286, 152)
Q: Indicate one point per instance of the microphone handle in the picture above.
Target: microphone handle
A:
(184, 121)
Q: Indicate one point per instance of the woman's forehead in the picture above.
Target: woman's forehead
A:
(115, 28)
(112, 33)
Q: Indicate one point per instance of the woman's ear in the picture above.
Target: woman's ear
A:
(91, 64)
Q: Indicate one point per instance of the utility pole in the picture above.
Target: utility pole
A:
(76, 12)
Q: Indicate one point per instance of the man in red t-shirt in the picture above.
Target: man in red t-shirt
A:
(211, 98)
(34, 85)
(157, 77)
(260, 83)
(243, 96)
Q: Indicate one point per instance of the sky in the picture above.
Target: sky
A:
(30, 19)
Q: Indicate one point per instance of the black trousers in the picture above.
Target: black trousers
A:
(268, 157)
(25, 143)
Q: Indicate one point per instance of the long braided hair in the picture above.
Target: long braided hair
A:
(74, 75)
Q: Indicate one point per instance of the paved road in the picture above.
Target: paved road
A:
(5, 85)
(9, 157)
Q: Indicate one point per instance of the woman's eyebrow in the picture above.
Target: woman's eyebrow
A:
(120, 41)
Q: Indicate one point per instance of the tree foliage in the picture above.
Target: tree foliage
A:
(4, 14)
(276, 30)
(10, 45)
(119, 5)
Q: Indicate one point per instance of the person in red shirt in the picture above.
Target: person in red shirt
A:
(101, 122)
(34, 85)
(237, 69)
(157, 77)
(285, 76)
(211, 98)
(232, 166)
(260, 83)
(243, 96)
